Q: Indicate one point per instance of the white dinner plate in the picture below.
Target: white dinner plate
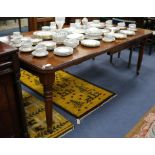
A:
(30, 49)
(40, 54)
(63, 51)
(90, 43)
(127, 32)
(75, 36)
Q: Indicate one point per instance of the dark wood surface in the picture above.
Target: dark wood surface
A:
(12, 122)
(81, 53)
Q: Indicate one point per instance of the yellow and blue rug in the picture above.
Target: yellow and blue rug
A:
(36, 122)
(71, 93)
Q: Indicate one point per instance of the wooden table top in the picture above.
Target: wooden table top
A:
(81, 53)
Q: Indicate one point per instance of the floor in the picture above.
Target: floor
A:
(135, 94)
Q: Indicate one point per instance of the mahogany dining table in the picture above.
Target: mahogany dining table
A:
(46, 73)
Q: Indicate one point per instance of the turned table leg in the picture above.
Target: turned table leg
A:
(140, 57)
(47, 81)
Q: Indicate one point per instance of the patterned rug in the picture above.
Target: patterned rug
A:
(145, 128)
(36, 122)
(73, 94)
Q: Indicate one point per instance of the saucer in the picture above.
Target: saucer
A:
(15, 45)
(63, 51)
(90, 43)
(21, 49)
(40, 54)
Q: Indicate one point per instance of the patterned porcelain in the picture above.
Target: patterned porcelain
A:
(63, 51)
(76, 36)
(127, 32)
(90, 43)
(71, 42)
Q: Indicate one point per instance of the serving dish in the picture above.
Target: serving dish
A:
(90, 43)
(75, 36)
(108, 40)
(49, 44)
(43, 34)
(71, 42)
(63, 51)
(120, 36)
(26, 50)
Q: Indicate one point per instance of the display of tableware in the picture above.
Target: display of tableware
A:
(93, 31)
(127, 32)
(71, 42)
(77, 36)
(59, 36)
(40, 53)
(85, 21)
(108, 38)
(46, 28)
(121, 25)
(108, 22)
(90, 43)
(78, 23)
(25, 38)
(35, 41)
(50, 45)
(63, 51)
(43, 34)
(60, 21)
(26, 45)
(120, 36)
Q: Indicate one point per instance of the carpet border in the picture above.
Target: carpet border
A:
(136, 127)
(87, 112)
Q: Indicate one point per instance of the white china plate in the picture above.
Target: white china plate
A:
(21, 49)
(97, 25)
(39, 54)
(108, 40)
(120, 36)
(49, 44)
(90, 43)
(75, 36)
(127, 32)
(63, 51)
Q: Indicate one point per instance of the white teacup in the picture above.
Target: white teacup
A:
(109, 36)
(26, 43)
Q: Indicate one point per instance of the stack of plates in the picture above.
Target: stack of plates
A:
(90, 43)
(108, 40)
(26, 50)
(40, 54)
(63, 51)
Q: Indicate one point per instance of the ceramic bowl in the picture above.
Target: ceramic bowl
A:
(59, 37)
(94, 32)
(71, 42)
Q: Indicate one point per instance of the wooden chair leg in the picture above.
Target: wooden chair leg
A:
(119, 54)
(130, 57)
(111, 58)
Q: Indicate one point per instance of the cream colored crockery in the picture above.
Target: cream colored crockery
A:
(71, 42)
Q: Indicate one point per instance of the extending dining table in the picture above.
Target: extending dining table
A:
(46, 67)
